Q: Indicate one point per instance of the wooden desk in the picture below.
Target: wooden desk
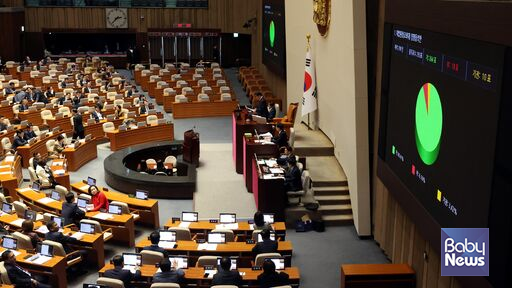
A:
(203, 109)
(77, 157)
(195, 275)
(55, 268)
(7, 112)
(96, 129)
(147, 209)
(240, 249)
(122, 139)
(10, 179)
(64, 123)
(32, 117)
(123, 227)
(269, 194)
(62, 178)
(243, 227)
(377, 276)
(26, 152)
(251, 147)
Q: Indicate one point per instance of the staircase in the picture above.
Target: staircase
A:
(329, 180)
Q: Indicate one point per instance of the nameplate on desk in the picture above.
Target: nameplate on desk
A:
(256, 268)
(214, 221)
(249, 241)
(175, 219)
(200, 241)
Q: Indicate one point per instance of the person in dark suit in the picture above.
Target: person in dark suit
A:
(23, 105)
(49, 92)
(281, 139)
(78, 125)
(266, 246)
(96, 115)
(261, 109)
(18, 140)
(3, 125)
(10, 89)
(154, 237)
(55, 235)
(292, 180)
(271, 108)
(29, 132)
(87, 89)
(20, 277)
(132, 91)
(285, 153)
(168, 275)
(270, 278)
(225, 276)
(118, 273)
(70, 211)
(40, 97)
(27, 228)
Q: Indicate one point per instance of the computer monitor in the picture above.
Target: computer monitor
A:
(182, 261)
(6, 208)
(166, 235)
(91, 181)
(141, 194)
(141, 124)
(115, 209)
(227, 218)
(132, 259)
(45, 249)
(272, 236)
(216, 238)
(268, 218)
(189, 216)
(30, 215)
(87, 228)
(55, 195)
(36, 186)
(9, 242)
(82, 203)
(58, 220)
(233, 263)
(279, 262)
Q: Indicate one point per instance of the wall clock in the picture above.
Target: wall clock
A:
(116, 17)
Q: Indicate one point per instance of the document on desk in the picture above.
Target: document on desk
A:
(184, 224)
(271, 176)
(60, 172)
(17, 222)
(261, 162)
(103, 216)
(45, 200)
(43, 229)
(84, 187)
(268, 134)
(271, 163)
(40, 260)
(78, 235)
(277, 170)
(166, 244)
(24, 189)
(207, 246)
(231, 226)
(57, 163)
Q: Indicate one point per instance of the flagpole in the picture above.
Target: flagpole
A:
(308, 38)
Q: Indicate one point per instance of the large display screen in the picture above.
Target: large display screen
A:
(274, 36)
(441, 119)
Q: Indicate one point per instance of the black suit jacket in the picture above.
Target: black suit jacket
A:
(157, 249)
(272, 279)
(18, 142)
(71, 213)
(17, 276)
(267, 246)
(124, 275)
(77, 122)
(62, 239)
(262, 110)
(29, 135)
(281, 139)
(223, 277)
(173, 276)
(23, 108)
(292, 179)
(271, 113)
(96, 116)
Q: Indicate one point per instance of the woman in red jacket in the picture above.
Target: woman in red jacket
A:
(99, 200)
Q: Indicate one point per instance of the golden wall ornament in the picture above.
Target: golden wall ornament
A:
(322, 15)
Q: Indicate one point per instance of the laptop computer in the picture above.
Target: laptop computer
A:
(55, 195)
(82, 202)
(189, 216)
(10, 243)
(91, 181)
(36, 186)
(227, 218)
(87, 228)
(268, 218)
(115, 209)
(45, 250)
(233, 262)
(272, 236)
(278, 261)
(216, 238)
(141, 194)
(58, 220)
(182, 261)
(131, 260)
(30, 215)
(167, 239)
(6, 208)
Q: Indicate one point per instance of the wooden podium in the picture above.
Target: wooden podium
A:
(191, 147)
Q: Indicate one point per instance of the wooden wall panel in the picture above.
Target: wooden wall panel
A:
(12, 3)
(10, 46)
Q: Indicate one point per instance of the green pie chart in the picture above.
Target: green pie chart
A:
(272, 33)
(429, 123)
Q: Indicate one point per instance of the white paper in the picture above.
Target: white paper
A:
(271, 176)
(268, 134)
(45, 200)
(24, 189)
(210, 273)
(103, 216)
(57, 163)
(166, 244)
(271, 163)
(184, 224)
(78, 235)
(9, 158)
(261, 162)
(60, 171)
(231, 226)
(251, 226)
(276, 170)
(5, 172)
(41, 260)
(5, 166)
(211, 247)
(84, 187)
(43, 229)
(17, 222)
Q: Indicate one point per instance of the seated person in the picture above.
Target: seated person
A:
(29, 132)
(27, 228)
(18, 276)
(259, 222)
(118, 112)
(54, 235)
(225, 276)
(99, 200)
(70, 211)
(261, 109)
(271, 278)
(36, 158)
(292, 180)
(59, 145)
(271, 107)
(96, 115)
(160, 165)
(23, 105)
(286, 152)
(281, 139)
(142, 166)
(3, 123)
(266, 246)
(168, 275)
(154, 237)
(10, 89)
(143, 107)
(118, 273)
(45, 173)
(19, 140)
(132, 91)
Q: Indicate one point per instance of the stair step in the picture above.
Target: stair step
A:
(314, 151)
(335, 209)
(338, 220)
(328, 183)
(333, 199)
(331, 190)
